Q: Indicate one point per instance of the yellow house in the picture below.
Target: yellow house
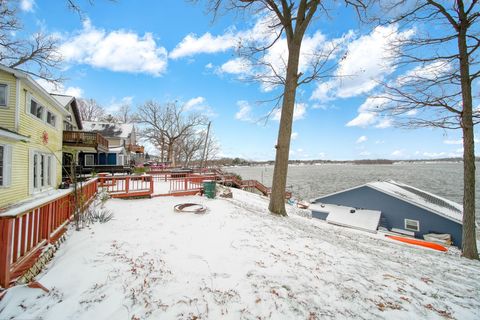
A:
(31, 124)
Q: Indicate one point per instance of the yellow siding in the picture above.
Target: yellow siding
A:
(7, 115)
(18, 189)
(34, 128)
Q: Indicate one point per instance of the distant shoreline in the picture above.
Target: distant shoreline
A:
(247, 163)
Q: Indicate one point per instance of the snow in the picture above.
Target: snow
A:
(239, 262)
(398, 190)
(107, 129)
(366, 220)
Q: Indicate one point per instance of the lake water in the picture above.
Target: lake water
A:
(311, 181)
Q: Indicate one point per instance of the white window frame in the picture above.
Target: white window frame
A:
(411, 221)
(6, 166)
(52, 114)
(120, 159)
(43, 119)
(92, 157)
(7, 92)
(29, 110)
(42, 177)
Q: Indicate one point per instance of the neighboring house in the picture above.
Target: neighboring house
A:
(403, 208)
(122, 144)
(31, 123)
(75, 141)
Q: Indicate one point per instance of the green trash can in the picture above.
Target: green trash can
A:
(209, 188)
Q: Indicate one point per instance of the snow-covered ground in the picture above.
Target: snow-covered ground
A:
(238, 262)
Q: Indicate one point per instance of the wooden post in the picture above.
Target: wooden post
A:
(151, 184)
(48, 227)
(5, 251)
(127, 183)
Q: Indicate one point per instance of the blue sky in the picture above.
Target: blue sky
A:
(133, 51)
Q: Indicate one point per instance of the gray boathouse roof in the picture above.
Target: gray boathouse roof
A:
(424, 199)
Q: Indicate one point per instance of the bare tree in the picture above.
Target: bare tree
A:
(288, 21)
(36, 54)
(166, 125)
(90, 110)
(125, 113)
(436, 91)
(190, 147)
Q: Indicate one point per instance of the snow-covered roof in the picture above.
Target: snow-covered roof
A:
(34, 85)
(118, 149)
(62, 99)
(106, 129)
(65, 101)
(420, 198)
(361, 219)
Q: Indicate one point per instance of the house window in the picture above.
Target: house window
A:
(51, 118)
(36, 109)
(120, 159)
(42, 167)
(89, 160)
(35, 171)
(5, 165)
(412, 225)
(49, 171)
(3, 95)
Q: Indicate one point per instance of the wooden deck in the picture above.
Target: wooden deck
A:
(85, 139)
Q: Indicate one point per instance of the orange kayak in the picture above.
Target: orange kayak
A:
(431, 245)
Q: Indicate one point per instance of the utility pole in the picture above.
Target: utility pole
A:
(205, 146)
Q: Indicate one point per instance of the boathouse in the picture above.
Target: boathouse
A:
(404, 209)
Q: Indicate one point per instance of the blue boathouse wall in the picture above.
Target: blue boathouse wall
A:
(394, 212)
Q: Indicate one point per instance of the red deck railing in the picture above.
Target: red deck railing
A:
(127, 186)
(189, 183)
(26, 230)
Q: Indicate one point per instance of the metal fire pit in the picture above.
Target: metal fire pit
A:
(190, 207)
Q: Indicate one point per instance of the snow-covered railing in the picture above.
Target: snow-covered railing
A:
(26, 229)
(127, 186)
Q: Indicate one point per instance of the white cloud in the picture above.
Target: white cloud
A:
(76, 92)
(397, 153)
(294, 135)
(27, 5)
(384, 123)
(199, 104)
(236, 66)
(434, 154)
(192, 45)
(114, 105)
(367, 114)
(364, 153)
(368, 60)
(244, 112)
(118, 50)
(209, 65)
(362, 139)
(364, 119)
(380, 142)
(458, 141)
(192, 103)
(429, 71)
(298, 113)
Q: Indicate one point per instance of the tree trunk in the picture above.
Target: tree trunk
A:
(279, 183)
(469, 243)
(170, 152)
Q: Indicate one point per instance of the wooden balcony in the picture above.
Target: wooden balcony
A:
(85, 139)
(136, 149)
